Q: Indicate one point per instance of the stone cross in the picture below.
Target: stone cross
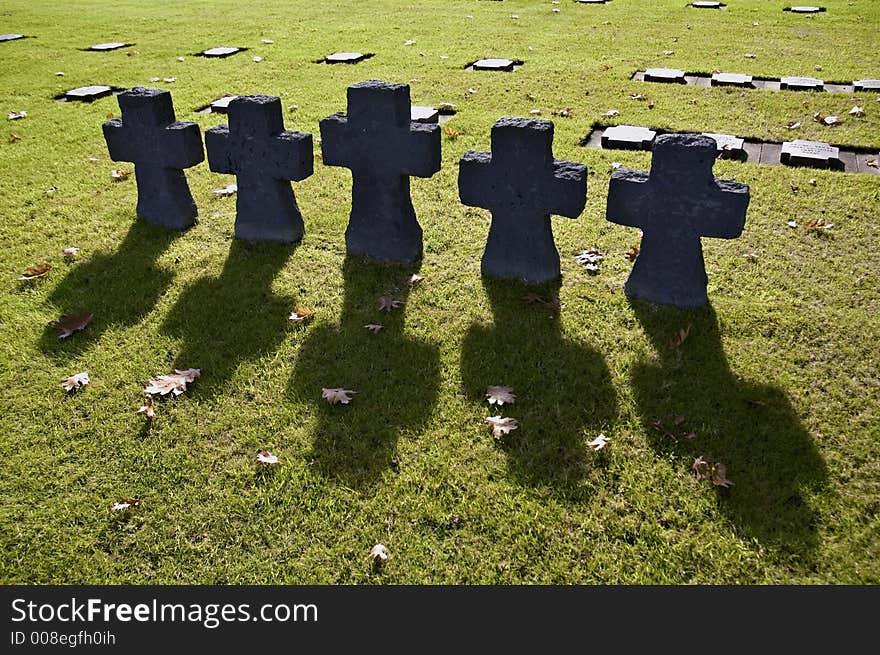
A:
(264, 157)
(383, 148)
(679, 202)
(160, 148)
(521, 184)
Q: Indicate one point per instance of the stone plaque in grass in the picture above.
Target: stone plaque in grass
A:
(87, 93)
(804, 9)
(801, 152)
(345, 58)
(708, 5)
(866, 85)
(628, 137)
(11, 37)
(220, 52)
(103, 47)
(592, 2)
(801, 84)
(493, 64)
(422, 114)
(671, 75)
(731, 79)
(221, 105)
(729, 146)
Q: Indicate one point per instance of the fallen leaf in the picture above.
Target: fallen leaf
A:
(873, 163)
(378, 554)
(535, 112)
(669, 52)
(132, 52)
(715, 472)
(501, 426)
(227, 190)
(500, 395)
(794, 188)
(793, 125)
(563, 113)
(265, 457)
(60, 73)
(169, 79)
(387, 303)
(615, 165)
(302, 315)
(334, 396)
(257, 59)
(638, 96)
(750, 55)
(155, 79)
(373, 327)
(792, 224)
(173, 383)
(414, 280)
(451, 134)
(180, 59)
(125, 503)
(812, 181)
(35, 272)
(266, 41)
(599, 442)
(147, 408)
(857, 111)
(611, 112)
(121, 173)
(632, 253)
(51, 190)
(751, 256)
(75, 381)
(15, 115)
(14, 137)
(818, 224)
(590, 260)
(679, 337)
(70, 323)
(826, 120)
(70, 253)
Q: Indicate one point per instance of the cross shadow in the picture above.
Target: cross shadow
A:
(749, 427)
(119, 288)
(226, 320)
(396, 377)
(564, 395)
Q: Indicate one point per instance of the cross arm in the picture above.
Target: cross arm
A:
(474, 179)
(333, 133)
(120, 145)
(568, 188)
(629, 198)
(217, 145)
(725, 212)
(423, 149)
(293, 155)
(182, 145)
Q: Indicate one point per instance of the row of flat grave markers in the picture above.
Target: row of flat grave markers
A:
(798, 152)
(519, 182)
(791, 83)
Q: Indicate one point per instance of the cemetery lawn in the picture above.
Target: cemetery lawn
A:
(777, 378)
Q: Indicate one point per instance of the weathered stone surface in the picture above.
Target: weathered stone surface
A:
(801, 152)
(628, 137)
(103, 47)
(11, 37)
(866, 85)
(676, 204)
(804, 9)
(383, 147)
(220, 52)
(264, 157)
(493, 65)
(731, 79)
(160, 148)
(522, 185)
(801, 84)
(421, 114)
(727, 143)
(87, 93)
(672, 75)
(708, 5)
(345, 58)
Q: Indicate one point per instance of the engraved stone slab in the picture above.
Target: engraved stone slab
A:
(804, 9)
(866, 85)
(731, 79)
(708, 5)
(421, 114)
(593, 2)
(628, 137)
(727, 143)
(88, 93)
(493, 65)
(11, 37)
(345, 58)
(801, 84)
(664, 75)
(801, 152)
(103, 47)
(220, 51)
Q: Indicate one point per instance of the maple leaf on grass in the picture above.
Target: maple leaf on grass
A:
(75, 381)
(679, 337)
(70, 323)
(501, 426)
(302, 315)
(265, 457)
(500, 395)
(173, 383)
(387, 303)
(35, 272)
(599, 442)
(707, 469)
(334, 396)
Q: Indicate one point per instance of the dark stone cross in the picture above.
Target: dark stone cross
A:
(160, 147)
(679, 202)
(383, 147)
(521, 184)
(264, 157)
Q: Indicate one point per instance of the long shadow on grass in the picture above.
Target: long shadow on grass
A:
(396, 378)
(224, 321)
(118, 288)
(564, 396)
(749, 427)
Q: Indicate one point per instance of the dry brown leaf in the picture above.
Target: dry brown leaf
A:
(35, 272)
(707, 469)
(378, 554)
(500, 395)
(70, 253)
(632, 253)
(679, 337)
(173, 383)
(387, 303)
(373, 327)
(120, 174)
(75, 381)
(873, 163)
(793, 125)
(70, 323)
(611, 112)
(125, 503)
(857, 111)
(414, 279)
(302, 315)
(16, 115)
(638, 96)
(334, 396)
(501, 426)
(590, 260)
(818, 224)
(147, 408)
(13, 137)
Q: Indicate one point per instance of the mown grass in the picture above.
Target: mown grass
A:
(778, 378)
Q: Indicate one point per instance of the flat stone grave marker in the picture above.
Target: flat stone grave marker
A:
(675, 205)
(494, 64)
(220, 52)
(87, 93)
(804, 9)
(522, 185)
(866, 85)
(218, 106)
(708, 5)
(422, 114)
(592, 2)
(729, 146)
(671, 75)
(801, 152)
(160, 148)
(344, 58)
(378, 141)
(11, 37)
(801, 84)
(104, 47)
(628, 137)
(264, 157)
(731, 79)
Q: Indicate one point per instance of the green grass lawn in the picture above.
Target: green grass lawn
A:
(778, 378)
